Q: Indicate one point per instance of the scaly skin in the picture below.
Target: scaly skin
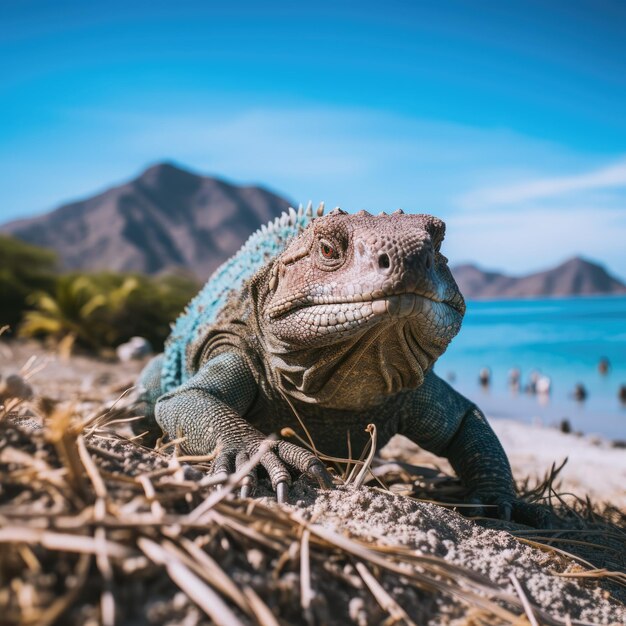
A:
(338, 319)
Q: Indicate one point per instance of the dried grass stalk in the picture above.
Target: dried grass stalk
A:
(78, 495)
(203, 595)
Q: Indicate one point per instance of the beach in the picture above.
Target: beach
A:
(595, 466)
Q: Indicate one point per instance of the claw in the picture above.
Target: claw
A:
(319, 472)
(246, 490)
(510, 509)
(221, 476)
(282, 491)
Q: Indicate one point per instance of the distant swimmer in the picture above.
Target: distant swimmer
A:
(534, 377)
(580, 393)
(604, 365)
(622, 394)
(515, 379)
(543, 385)
(484, 377)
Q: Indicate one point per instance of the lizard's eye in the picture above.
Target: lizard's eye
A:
(331, 252)
(327, 250)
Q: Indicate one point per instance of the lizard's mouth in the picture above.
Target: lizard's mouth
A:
(325, 348)
(330, 315)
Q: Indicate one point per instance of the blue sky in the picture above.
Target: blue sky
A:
(506, 119)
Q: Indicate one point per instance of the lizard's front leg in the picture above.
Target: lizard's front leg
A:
(443, 421)
(209, 412)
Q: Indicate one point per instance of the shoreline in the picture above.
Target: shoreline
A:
(595, 467)
(600, 417)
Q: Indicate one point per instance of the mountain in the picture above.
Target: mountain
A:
(167, 218)
(576, 277)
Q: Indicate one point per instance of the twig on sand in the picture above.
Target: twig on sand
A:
(387, 603)
(525, 603)
(306, 592)
(359, 479)
(203, 595)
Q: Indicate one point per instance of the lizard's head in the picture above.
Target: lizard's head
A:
(360, 297)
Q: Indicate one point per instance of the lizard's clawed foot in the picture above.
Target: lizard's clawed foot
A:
(535, 515)
(510, 509)
(278, 460)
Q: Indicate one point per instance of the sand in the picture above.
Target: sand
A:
(595, 468)
(431, 530)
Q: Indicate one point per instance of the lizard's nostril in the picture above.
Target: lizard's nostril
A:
(383, 261)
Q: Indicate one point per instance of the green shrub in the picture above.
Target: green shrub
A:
(23, 270)
(153, 306)
(96, 310)
(102, 310)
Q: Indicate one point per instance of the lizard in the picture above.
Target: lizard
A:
(324, 324)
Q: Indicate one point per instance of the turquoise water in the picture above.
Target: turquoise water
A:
(563, 339)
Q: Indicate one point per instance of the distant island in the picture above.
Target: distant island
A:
(170, 219)
(575, 277)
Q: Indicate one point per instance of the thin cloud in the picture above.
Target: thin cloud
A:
(609, 177)
(356, 158)
(524, 240)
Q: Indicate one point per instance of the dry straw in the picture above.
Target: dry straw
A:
(92, 523)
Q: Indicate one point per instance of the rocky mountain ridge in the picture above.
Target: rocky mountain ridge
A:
(169, 219)
(575, 277)
(165, 219)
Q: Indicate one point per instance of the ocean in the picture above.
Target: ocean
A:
(562, 339)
